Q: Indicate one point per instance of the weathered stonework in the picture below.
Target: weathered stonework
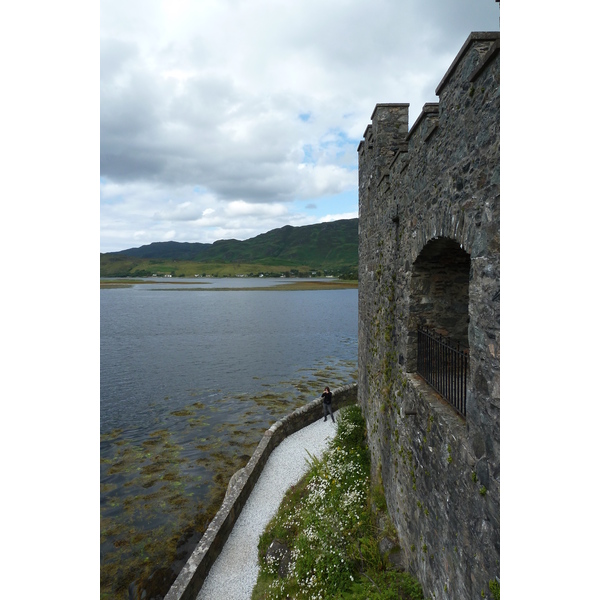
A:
(429, 254)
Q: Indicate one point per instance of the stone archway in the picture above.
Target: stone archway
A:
(439, 295)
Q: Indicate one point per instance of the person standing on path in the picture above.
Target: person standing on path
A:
(327, 407)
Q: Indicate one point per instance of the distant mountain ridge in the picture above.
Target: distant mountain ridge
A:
(332, 245)
(166, 250)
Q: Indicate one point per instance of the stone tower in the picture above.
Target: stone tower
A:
(429, 275)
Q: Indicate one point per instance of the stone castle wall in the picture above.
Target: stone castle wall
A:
(429, 237)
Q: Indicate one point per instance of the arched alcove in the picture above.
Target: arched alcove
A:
(439, 295)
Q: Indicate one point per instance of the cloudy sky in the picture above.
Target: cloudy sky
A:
(225, 119)
(228, 118)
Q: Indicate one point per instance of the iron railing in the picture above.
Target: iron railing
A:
(444, 366)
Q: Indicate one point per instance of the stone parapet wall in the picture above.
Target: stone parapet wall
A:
(429, 255)
(192, 576)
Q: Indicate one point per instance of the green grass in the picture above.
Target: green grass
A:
(327, 522)
(126, 266)
(303, 285)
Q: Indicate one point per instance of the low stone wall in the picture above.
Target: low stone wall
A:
(190, 579)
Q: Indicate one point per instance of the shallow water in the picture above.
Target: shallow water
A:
(190, 380)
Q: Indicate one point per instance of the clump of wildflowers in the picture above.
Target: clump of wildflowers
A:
(325, 521)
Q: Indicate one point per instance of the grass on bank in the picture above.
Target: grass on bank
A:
(204, 286)
(128, 266)
(326, 530)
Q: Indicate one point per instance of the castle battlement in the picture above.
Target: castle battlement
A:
(429, 259)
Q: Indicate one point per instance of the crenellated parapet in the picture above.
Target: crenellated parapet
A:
(442, 133)
(429, 258)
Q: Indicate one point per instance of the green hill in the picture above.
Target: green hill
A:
(325, 248)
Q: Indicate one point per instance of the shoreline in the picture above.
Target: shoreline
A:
(304, 285)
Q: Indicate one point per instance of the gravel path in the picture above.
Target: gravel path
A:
(234, 573)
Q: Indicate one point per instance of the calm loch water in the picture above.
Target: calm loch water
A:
(190, 380)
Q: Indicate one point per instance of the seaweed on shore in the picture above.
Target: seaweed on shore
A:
(160, 490)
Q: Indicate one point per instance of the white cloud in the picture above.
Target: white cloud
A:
(338, 216)
(226, 107)
(239, 208)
